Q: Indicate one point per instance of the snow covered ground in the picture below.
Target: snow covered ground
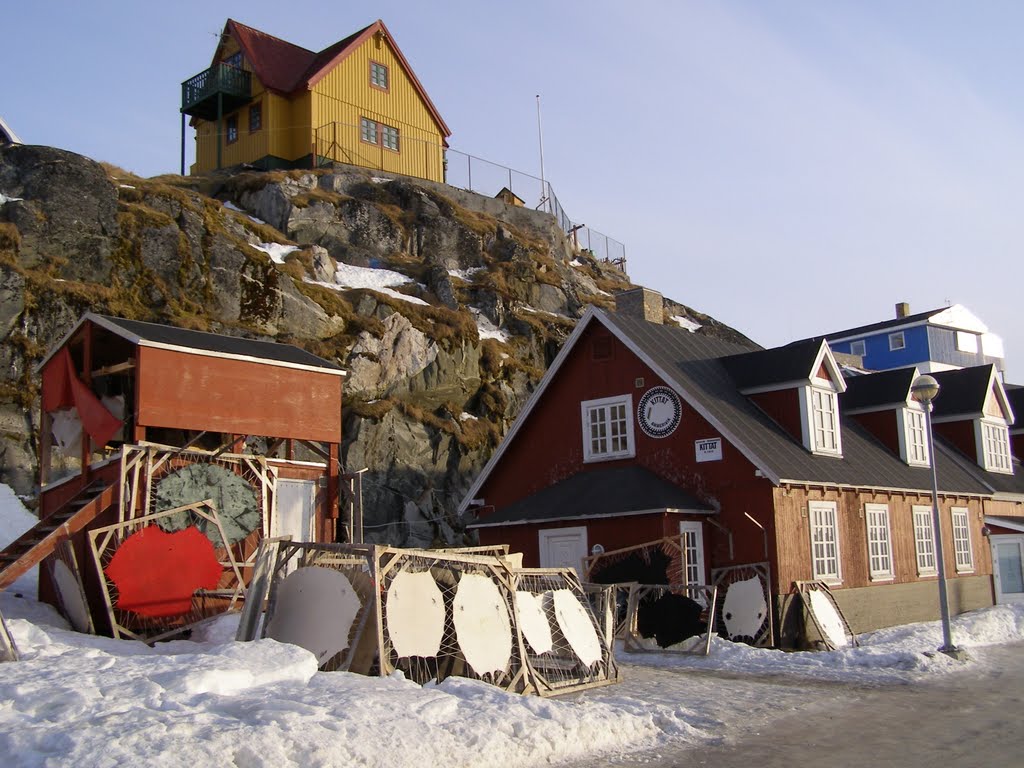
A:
(89, 701)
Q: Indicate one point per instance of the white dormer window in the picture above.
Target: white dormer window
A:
(858, 348)
(820, 420)
(608, 428)
(826, 422)
(897, 341)
(994, 446)
(913, 437)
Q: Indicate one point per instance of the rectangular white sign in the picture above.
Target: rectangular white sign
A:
(708, 450)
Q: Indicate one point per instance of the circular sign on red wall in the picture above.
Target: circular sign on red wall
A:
(659, 412)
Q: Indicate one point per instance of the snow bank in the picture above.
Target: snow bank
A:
(896, 654)
(87, 701)
(276, 251)
(14, 521)
(487, 329)
(380, 280)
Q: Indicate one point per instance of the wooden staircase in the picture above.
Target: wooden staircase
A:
(31, 547)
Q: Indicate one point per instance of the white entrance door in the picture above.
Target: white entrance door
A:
(1008, 568)
(692, 533)
(563, 548)
(294, 503)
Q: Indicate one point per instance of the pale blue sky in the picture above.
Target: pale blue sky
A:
(790, 168)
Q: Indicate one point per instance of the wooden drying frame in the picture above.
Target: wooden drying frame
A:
(766, 637)
(631, 637)
(65, 553)
(389, 559)
(803, 588)
(604, 626)
(669, 545)
(101, 539)
(358, 655)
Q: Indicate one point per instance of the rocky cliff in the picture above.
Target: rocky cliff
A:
(444, 306)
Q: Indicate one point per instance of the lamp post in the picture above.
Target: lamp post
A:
(924, 390)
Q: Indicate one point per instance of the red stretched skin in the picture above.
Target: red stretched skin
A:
(156, 573)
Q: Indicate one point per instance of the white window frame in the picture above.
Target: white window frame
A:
(897, 341)
(860, 344)
(624, 421)
(691, 532)
(880, 564)
(913, 436)
(962, 539)
(993, 438)
(826, 561)
(813, 420)
(924, 540)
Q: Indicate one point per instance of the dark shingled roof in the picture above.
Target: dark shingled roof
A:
(692, 362)
(215, 342)
(765, 367)
(874, 390)
(602, 492)
(962, 391)
(999, 482)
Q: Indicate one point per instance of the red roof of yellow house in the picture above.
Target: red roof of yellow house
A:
(285, 67)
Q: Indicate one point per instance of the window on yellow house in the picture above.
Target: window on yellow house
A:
(231, 129)
(234, 60)
(378, 76)
(255, 117)
(373, 132)
(368, 130)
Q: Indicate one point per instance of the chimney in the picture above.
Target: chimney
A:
(902, 310)
(642, 304)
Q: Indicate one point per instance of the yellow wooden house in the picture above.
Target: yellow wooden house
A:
(272, 104)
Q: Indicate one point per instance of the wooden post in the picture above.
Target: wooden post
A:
(87, 378)
(138, 431)
(45, 444)
(333, 487)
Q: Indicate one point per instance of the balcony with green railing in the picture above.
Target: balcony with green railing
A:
(218, 90)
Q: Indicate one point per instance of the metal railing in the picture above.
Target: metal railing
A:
(223, 78)
(341, 142)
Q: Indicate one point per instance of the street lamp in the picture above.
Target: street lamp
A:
(924, 390)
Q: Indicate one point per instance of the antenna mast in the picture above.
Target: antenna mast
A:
(544, 198)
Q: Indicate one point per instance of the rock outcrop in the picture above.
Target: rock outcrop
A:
(439, 362)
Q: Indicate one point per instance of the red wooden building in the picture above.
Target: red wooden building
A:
(642, 429)
(139, 417)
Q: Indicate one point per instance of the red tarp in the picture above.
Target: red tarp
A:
(63, 389)
(156, 573)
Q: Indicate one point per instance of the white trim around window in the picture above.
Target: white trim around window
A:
(819, 417)
(608, 428)
(993, 439)
(880, 567)
(825, 562)
(924, 541)
(692, 535)
(913, 436)
(897, 341)
(962, 540)
(859, 347)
